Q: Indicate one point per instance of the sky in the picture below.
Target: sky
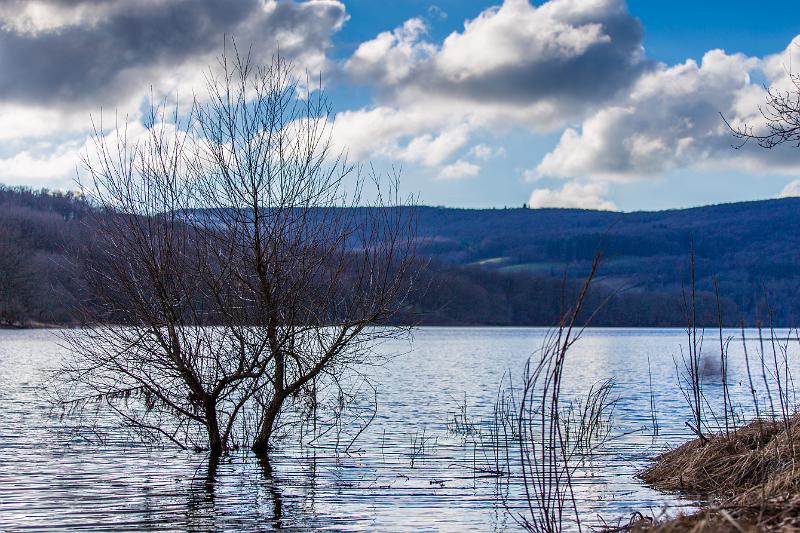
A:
(600, 104)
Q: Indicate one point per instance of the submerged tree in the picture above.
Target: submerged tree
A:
(236, 265)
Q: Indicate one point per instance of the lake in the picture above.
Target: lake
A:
(409, 470)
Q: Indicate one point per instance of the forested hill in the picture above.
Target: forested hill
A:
(751, 248)
(531, 238)
(494, 266)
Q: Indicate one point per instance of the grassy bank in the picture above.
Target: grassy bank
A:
(750, 479)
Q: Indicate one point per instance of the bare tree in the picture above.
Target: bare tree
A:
(236, 265)
(781, 114)
(147, 352)
(315, 272)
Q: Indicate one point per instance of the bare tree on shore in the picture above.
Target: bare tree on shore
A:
(237, 263)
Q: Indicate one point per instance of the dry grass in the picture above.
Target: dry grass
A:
(750, 480)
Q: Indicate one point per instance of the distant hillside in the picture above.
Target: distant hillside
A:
(39, 231)
(492, 266)
(753, 248)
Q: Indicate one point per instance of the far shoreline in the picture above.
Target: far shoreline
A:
(50, 326)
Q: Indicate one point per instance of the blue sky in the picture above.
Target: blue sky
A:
(680, 29)
(576, 103)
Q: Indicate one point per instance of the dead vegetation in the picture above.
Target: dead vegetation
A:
(750, 479)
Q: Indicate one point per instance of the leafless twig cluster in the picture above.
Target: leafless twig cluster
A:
(781, 114)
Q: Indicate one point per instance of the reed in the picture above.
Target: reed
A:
(542, 437)
(653, 411)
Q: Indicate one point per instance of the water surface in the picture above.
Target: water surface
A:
(407, 471)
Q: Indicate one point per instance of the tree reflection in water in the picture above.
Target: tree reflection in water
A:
(219, 483)
(277, 501)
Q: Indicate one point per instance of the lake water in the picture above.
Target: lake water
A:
(407, 471)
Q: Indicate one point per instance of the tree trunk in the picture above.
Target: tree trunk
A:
(215, 444)
(261, 443)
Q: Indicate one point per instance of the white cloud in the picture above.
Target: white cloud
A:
(458, 170)
(531, 174)
(385, 131)
(516, 55)
(432, 150)
(791, 190)
(19, 122)
(48, 48)
(485, 152)
(671, 119)
(390, 57)
(573, 195)
(435, 12)
(38, 16)
(61, 164)
(557, 31)
(54, 170)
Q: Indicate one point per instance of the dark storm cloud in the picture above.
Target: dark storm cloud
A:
(77, 62)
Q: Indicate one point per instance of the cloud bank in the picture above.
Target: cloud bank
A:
(671, 119)
(65, 59)
(545, 67)
(67, 53)
(576, 68)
